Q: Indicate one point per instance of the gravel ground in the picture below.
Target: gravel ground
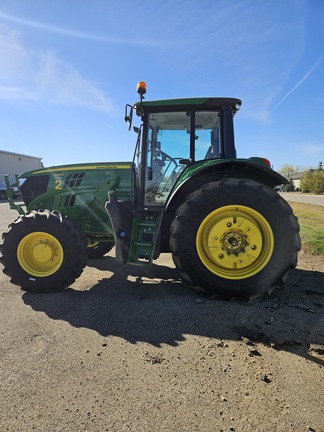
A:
(130, 349)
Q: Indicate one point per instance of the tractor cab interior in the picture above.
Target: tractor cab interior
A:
(175, 139)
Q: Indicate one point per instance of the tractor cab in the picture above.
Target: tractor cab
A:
(176, 134)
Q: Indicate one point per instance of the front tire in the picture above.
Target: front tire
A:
(43, 251)
(235, 238)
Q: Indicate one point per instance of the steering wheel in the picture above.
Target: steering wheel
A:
(165, 157)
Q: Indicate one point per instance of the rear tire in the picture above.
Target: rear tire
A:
(43, 251)
(235, 238)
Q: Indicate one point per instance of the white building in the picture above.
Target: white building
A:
(15, 163)
(296, 181)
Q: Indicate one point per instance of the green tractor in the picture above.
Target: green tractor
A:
(185, 192)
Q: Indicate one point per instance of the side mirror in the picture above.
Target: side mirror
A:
(129, 115)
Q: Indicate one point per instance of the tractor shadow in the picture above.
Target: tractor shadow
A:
(156, 307)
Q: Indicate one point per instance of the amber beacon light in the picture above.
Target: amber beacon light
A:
(141, 89)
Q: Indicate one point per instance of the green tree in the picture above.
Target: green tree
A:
(313, 180)
(289, 187)
(306, 181)
(318, 182)
(288, 170)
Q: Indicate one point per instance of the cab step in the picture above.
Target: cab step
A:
(144, 235)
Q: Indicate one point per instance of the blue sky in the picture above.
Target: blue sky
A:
(69, 67)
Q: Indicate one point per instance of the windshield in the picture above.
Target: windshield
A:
(168, 148)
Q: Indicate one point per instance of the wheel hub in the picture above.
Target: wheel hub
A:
(233, 242)
(42, 253)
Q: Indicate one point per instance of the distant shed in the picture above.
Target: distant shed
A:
(15, 163)
(296, 181)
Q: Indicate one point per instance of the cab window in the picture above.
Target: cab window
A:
(168, 148)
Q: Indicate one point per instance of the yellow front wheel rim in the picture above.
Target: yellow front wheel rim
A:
(235, 242)
(40, 254)
(92, 245)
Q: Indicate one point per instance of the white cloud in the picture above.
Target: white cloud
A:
(312, 149)
(82, 35)
(232, 48)
(243, 48)
(12, 93)
(300, 82)
(25, 74)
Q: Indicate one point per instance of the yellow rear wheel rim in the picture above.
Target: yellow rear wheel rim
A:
(40, 254)
(234, 242)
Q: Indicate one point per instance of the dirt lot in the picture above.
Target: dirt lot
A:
(126, 349)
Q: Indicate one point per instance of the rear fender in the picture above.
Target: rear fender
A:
(196, 175)
(244, 168)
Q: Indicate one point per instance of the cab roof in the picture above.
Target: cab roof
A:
(190, 103)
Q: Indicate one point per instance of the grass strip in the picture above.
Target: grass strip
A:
(311, 221)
